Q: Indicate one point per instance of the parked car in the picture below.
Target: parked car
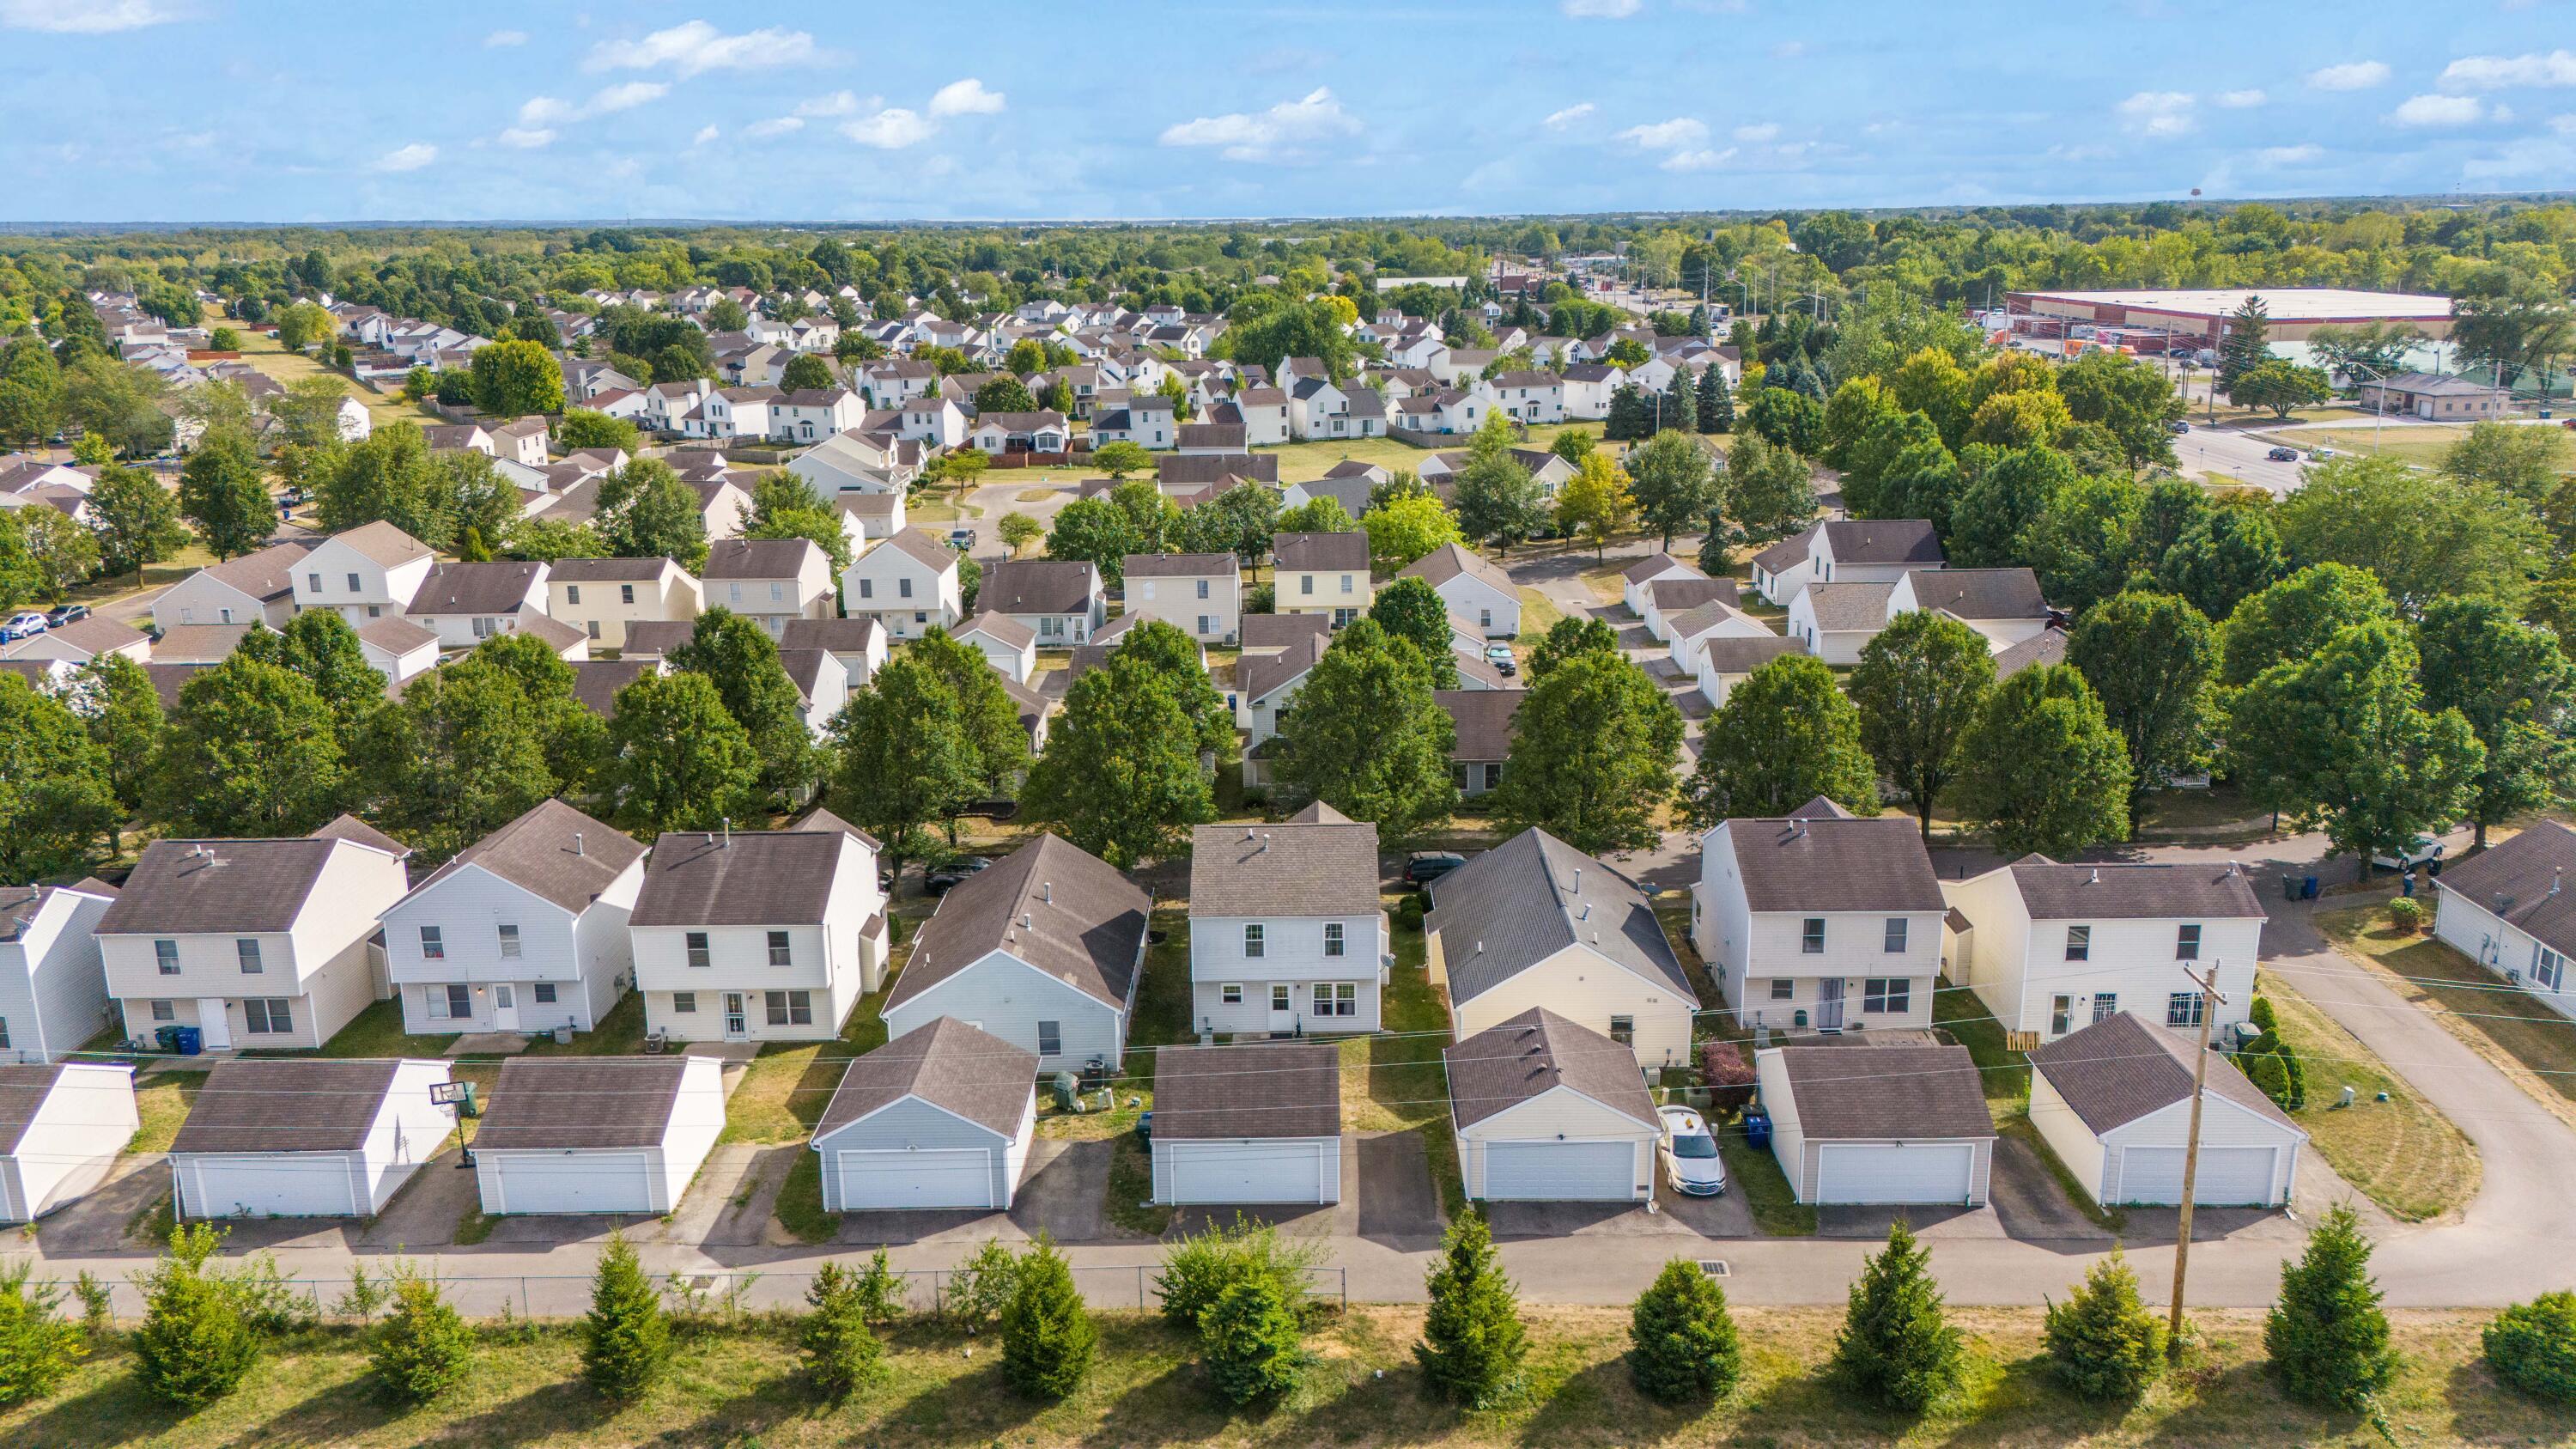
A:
(2177, 427)
(1426, 866)
(1500, 656)
(2283, 455)
(2422, 850)
(961, 539)
(21, 626)
(67, 614)
(952, 875)
(1689, 1153)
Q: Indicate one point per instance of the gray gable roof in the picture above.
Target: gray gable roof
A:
(287, 1105)
(203, 886)
(950, 1065)
(1261, 675)
(1533, 896)
(759, 558)
(1912, 1093)
(1980, 593)
(1829, 862)
(741, 878)
(1321, 551)
(1737, 654)
(581, 1102)
(1483, 718)
(1183, 565)
(1882, 541)
(1037, 586)
(23, 1090)
(2518, 880)
(1535, 1053)
(1787, 554)
(595, 682)
(1256, 1089)
(1848, 608)
(1279, 631)
(554, 852)
(2048, 646)
(1325, 868)
(1086, 923)
(2123, 1067)
(2132, 891)
(476, 588)
(1651, 565)
(1671, 595)
(1450, 560)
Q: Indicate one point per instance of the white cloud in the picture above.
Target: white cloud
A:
(2289, 155)
(84, 17)
(1599, 9)
(540, 110)
(1789, 50)
(696, 47)
(838, 103)
(1764, 131)
(2239, 100)
(2432, 111)
(1571, 114)
(2563, 125)
(891, 129)
(2495, 72)
(775, 126)
(705, 134)
(1277, 134)
(528, 138)
(1700, 160)
(2063, 152)
(625, 97)
(405, 158)
(965, 98)
(504, 39)
(2359, 75)
(1678, 132)
(2158, 113)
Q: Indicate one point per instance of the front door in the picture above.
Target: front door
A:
(1829, 1003)
(505, 1007)
(735, 1030)
(1283, 1009)
(217, 1028)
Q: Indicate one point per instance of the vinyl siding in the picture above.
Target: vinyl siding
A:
(913, 1123)
(1008, 998)
(1587, 989)
(2066, 1135)
(53, 988)
(73, 1143)
(1175, 601)
(2222, 1124)
(1559, 1112)
(2477, 933)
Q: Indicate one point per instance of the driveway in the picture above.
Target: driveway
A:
(1060, 1194)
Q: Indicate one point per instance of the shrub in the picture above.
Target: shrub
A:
(98, 1306)
(880, 1290)
(1897, 1345)
(424, 1347)
(1251, 1341)
(841, 1355)
(38, 1349)
(2326, 1335)
(626, 1342)
(2262, 1015)
(196, 1344)
(980, 1288)
(269, 1303)
(1472, 1340)
(1200, 1267)
(2532, 1346)
(2102, 1340)
(1727, 1075)
(365, 1295)
(1047, 1335)
(2406, 914)
(1682, 1343)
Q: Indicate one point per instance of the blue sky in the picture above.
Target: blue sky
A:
(283, 110)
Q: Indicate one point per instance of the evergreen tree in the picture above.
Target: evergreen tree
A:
(1594, 746)
(424, 1348)
(196, 1344)
(1680, 411)
(2041, 769)
(1121, 770)
(842, 1354)
(1047, 1333)
(1920, 682)
(1472, 1339)
(38, 1347)
(1251, 1342)
(626, 1340)
(1786, 735)
(1682, 1342)
(1897, 1345)
(1631, 416)
(1716, 404)
(2246, 345)
(2326, 1335)
(2102, 1340)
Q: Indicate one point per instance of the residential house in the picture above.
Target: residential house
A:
(858, 643)
(1286, 933)
(1667, 599)
(1483, 718)
(1476, 590)
(521, 440)
(2507, 909)
(1784, 568)
(53, 989)
(1546, 1109)
(1528, 396)
(1323, 573)
(2114, 1102)
(1820, 920)
(1200, 594)
(2050, 948)
(1059, 600)
(1871, 551)
(196, 644)
(822, 683)
(1265, 412)
(1266, 683)
(1837, 621)
(1044, 949)
(941, 1117)
(768, 935)
(257, 943)
(82, 641)
(256, 588)
(852, 463)
(467, 603)
(907, 583)
(869, 519)
(602, 597)
(1842, 1136)
(398, 649)
(770, 580)
(1588, 388)
(2005, 605)
(1212, 437)
(1716, 619)
(1149, 422)
(815, 413)
(1645, 573)
(1043, 431)
(367, 572)
(597, 1134)
(1008, 645)
(1535, 922)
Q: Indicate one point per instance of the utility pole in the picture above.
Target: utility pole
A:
(2210, 998)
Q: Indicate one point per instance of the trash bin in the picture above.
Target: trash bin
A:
(1066, 1091)
(2308, 888)
(1757, 1127)
(191, 1041)
(166, 1038)
(2435, 866)
(2289, 888)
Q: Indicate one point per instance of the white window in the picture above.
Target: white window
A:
(1784, 988)
(1346, 583)
(270, 1016)
(1887, 995)
(1895, 942)
(545, 992)
(509, 942)
(451, 1002)
(695, 944)
(684, 1001)
(1811, 936)
(2106, 1004)
(164, 1011)
(165, 955)
(2187, 941)
(1253, 944)
(1484, 618)
(482, 628)
(735, 590)
(572, 593)
(1050, 1038)
(1149, 588)
(1332, 938)
(790, 1008)
(1231, 993)
(2079, 943)
(246, 951)
(777, 592)
(2548, 967)
(1203, 588)
(433, 945)
(779, 954)
(2183, 1008)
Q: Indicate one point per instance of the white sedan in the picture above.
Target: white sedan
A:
(1690, 1153)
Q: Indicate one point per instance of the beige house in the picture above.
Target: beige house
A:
(771, 580)
(1323, 573)
(601, 596)
(1201, 594)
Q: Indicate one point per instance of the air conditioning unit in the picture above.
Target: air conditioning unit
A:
(2512, 976)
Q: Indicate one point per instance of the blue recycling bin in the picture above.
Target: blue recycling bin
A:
(192, 1040)
(1757, 1127)
(2308, 889)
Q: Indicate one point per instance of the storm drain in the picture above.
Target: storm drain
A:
(1712, 1267)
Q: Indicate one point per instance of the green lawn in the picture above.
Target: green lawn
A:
(263, 351)
(2525, 1041)
(375, 1033)
(746, 1385)
(785, 1089)
(1755, 1173)
(161, 1099)
(619, 1034)
(1396, 1082)
(2006, 1073)
(2422, 446)
(2402, 1153)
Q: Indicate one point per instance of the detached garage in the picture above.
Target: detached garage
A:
(597, 1134)
(306, 1138)
(2114, 1103)
(1258, 1123)
(1548, 1110)
(1855, 1123)
(61, 1127)
(939, 1117)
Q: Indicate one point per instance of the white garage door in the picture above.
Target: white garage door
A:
(950, 1177)
(217, 1187)
(1246, 1172)
(2228, 1177)
(1923, 1172)
(1560, 1171)
(574, 1182)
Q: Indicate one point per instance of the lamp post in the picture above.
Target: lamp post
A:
(2381, 414)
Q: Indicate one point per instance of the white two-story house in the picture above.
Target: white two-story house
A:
(1060, 601)
(1820, 920)
(602, 596)
(1286, 933)
(2051, 948)
(53, 991)
(768, 935)
(770, 580)
(257, 943)
(908, 584)
(1323, 573)
(368, 572)
(467, 603)
(525, 930)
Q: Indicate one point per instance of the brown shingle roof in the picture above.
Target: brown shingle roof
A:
(2132, 891)
(1908, 1093)
(288, 1105)
(1849, 608)
(23, 1090)
(1086, 923)
(199, 643)
(233, 886)
(1183, 565)
(554, 852)
(1257, 1089)
(1259, 675)
(837, 636)
(1001, 628)
(1321, 551)
(1280, 631)
(267, 574)
(656, 638)
(2123, 1067)
(1980, 593)
(1833, 863)
(1882, 541)
(1535, 1053)
(759, 558)
(477, 588)
(1736, 654)
(1484, 721)
(1205, 468)
(1450, 560)
(2519, 881)
(579, 1102)
(1037, 586)
(1787, 554)
(1319, 869)
(1532, 897)
(747, 878)
(2048, 646)
(349, 827)
(1651, 565)
(607, 570)
(595, 682)
(397, 635)
(950, 1065)
(382, 542)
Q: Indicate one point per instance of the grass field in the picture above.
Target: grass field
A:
(263, 351)
(2401, 1153)
(161, 1101)
(746, 1386)
(2422, 446)
(2526, 1041)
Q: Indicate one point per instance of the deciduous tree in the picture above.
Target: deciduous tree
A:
(252, 750)
(2150, 658)
(1786, 735)
(515, 378)
(224, 493)
(1120, 772)
(1595, 749)
(678, 760)
(2512, 683)
(1365, 736)
(137, 520)
(1402, 530)
(1595, 503)
(1919, 684)
(2041, 769)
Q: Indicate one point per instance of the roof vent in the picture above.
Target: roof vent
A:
(1250, 834)
(2557, 877)
(1265, 840)
(1046, 891)
(1577, 887)
(576, 843)
(2095, 878)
